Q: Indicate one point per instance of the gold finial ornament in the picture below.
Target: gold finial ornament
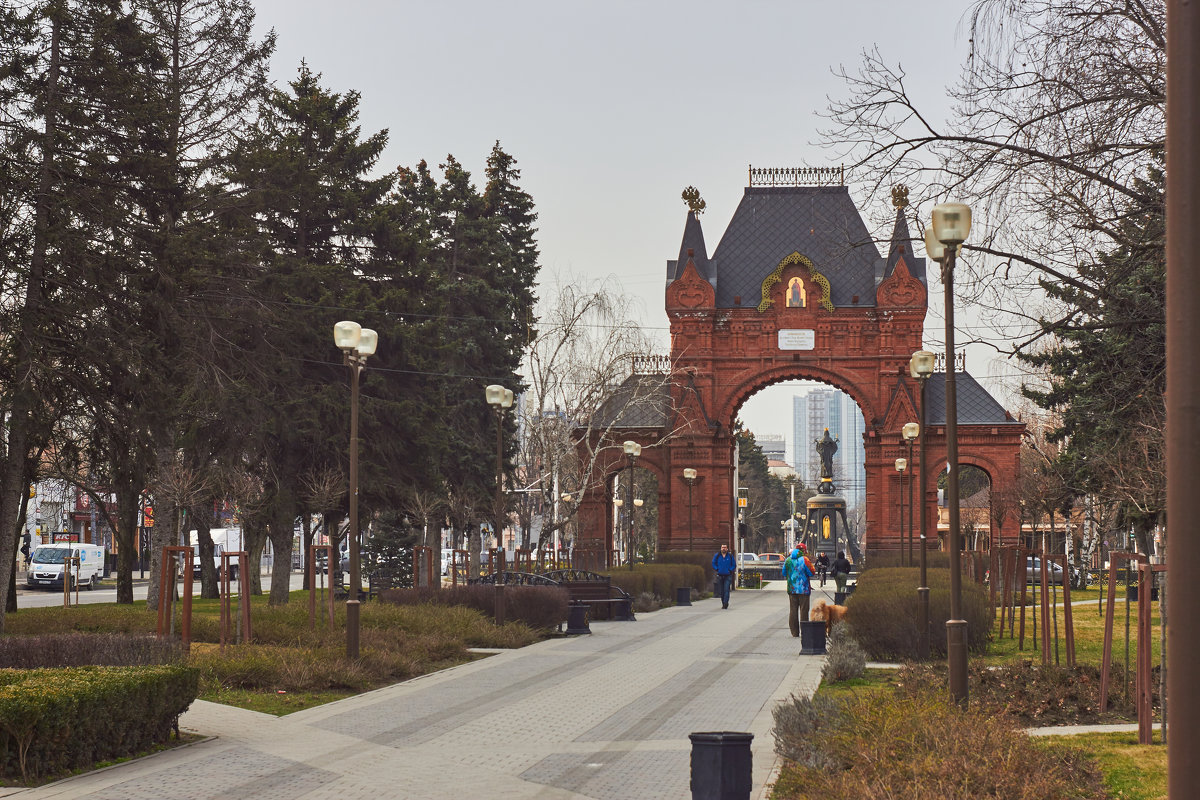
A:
(900, 196)
(695, 203)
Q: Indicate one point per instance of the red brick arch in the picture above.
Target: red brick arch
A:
(729, 343)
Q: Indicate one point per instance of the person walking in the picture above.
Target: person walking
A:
(797, 572)
(724, 565)
(822, 566)
(841, 571)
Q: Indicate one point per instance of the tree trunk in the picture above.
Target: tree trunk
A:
(163, 534)
(126, 537)
(254, 536)
(203, 520)
(283, 525)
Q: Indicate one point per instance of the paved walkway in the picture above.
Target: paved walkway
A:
(601, 716)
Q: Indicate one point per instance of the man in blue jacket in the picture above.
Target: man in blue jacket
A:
(723, 564)
(797, 572)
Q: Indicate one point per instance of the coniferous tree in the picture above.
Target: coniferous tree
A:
(68, 91)
(1106, 370)
(305, 169)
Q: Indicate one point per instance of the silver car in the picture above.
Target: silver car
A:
(1033, 571)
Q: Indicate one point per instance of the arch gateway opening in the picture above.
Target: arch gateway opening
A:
(796, 289)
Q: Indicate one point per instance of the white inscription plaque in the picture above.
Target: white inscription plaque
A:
(797, 339)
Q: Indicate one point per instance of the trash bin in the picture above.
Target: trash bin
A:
(683, 595)
(577, 618)
(812, 637)
(721, 765)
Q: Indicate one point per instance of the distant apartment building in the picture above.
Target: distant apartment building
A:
(773, 445)
(830, 408)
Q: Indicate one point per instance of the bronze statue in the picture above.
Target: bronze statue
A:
(826, 447)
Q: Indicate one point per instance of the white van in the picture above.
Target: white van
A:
(46, 564)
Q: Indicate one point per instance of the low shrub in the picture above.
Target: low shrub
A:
(886, 745)
(83, 649)
(539, 607)
(883, 613)
(660, 580)
(646, 602)
(800, 727)
(845, 658)
(53, 720)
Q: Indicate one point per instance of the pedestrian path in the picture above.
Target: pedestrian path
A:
(605, 716)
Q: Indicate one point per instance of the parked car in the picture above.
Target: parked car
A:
(1033, 571)
(778, 558)
(747, 560)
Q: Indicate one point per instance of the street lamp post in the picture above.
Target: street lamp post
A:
(901, 465)
(500, 399)
(910, 431)
(920, 367)
(689, 475)
(357, 345)
(951, 225)
(637, 503)
(632, 451)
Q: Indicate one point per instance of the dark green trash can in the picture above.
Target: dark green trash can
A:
(721, 765)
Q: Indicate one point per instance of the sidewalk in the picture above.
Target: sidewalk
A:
(605, 716)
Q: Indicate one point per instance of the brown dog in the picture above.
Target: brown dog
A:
(829, 614)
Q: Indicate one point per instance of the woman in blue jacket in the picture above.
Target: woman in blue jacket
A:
(797, 572)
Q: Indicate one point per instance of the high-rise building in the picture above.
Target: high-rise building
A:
(830, 408)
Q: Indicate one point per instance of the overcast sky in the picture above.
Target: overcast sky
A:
(612, 108)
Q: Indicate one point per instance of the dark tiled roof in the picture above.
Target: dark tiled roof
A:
(641, 401)
(819, 222)
(693, 239)
(975, 405)
(902, 245)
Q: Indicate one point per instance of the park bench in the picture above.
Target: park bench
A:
(604, 601)
(388, 577)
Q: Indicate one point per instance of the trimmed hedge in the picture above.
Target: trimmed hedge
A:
(934, 559)
(883, 613)
(539, 607)
(54, 720)
(690, 557)
(87, 649)
(660, 580)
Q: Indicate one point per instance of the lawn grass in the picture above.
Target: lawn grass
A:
(1131, 771)
(1088, 625)
(872, 680)
(290, 666)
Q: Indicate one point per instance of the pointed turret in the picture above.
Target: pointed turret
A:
(693, 243)
(902, 247)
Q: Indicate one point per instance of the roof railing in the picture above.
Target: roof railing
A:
(798, 176)
(650, 365)
(960, 362)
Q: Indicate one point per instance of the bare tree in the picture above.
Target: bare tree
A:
(1059, 111)
(322, 492)
(177, 486)
(589, 370)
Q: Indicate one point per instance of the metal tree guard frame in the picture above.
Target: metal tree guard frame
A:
(166, 594)
(243, 633)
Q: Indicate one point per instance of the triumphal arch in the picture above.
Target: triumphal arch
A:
(797, 289)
